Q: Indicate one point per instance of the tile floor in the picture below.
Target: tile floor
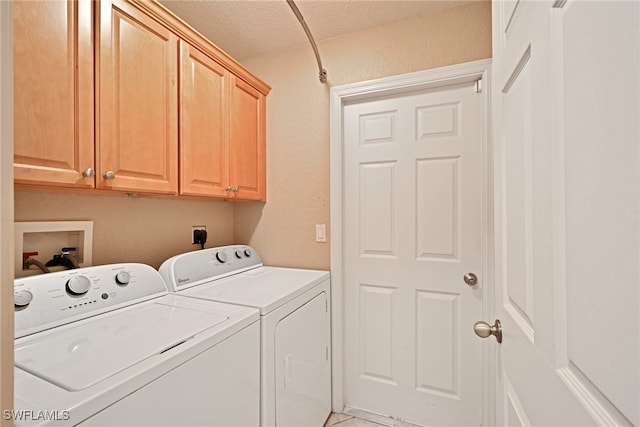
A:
(344, 420)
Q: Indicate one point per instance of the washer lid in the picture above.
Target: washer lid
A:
(265, 288)
(82, 354)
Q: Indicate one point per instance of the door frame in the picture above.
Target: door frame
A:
(6, 210)
(401, 84)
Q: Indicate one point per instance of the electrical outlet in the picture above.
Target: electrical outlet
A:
(193, 229)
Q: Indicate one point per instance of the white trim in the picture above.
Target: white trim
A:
(377, 418)
(594, 402)
(511, 396)
(561, 357)
(437, 77)
(341, 95)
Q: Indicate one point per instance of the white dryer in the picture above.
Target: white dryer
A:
(109, 346)
(294, 308)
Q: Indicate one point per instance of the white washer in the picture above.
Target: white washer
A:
(109, 346)
(295, 325)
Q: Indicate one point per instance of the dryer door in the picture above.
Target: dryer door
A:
(303, 370)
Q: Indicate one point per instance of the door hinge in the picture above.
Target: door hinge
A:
(326, 353)
(479, 86)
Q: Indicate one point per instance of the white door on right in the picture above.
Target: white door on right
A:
(566, 116)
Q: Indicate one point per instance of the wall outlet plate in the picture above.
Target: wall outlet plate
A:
(194, 228)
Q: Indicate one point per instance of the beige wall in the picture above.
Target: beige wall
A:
(132, 229)
(283, 229)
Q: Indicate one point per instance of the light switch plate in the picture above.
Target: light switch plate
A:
(321, 233)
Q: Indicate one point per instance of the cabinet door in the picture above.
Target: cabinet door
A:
(53, 93)
(204, 165)
(247, 168)
(137, 138)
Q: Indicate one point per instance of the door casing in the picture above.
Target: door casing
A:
(6, 210)
(401, 84)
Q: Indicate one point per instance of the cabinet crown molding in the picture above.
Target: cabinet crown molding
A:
(183, 30)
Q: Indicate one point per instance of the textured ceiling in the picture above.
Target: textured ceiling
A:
(246, 28)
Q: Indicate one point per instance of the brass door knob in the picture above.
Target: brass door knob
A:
(485, 330)
(470, 279)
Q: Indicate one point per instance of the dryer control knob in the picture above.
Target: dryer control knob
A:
(247, 252)
(78, 285)
(123, 278)
(221, 256)
(239, 254)
(22, 298)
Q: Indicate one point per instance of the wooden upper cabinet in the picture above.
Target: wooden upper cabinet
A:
(53, 93)
(123, 95)
(204, 148)
(222, 131)
(247, 147)
(137, 106)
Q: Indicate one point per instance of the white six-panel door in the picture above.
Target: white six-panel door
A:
(567, 150)
(413, 175)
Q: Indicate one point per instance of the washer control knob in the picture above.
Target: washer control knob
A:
(123, 278)
(78, 285)
(22, 298)
(247, 252)
(239, 254)
(221, 256)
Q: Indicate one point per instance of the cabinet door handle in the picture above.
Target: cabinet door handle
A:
(109, 175)
(89, 173)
